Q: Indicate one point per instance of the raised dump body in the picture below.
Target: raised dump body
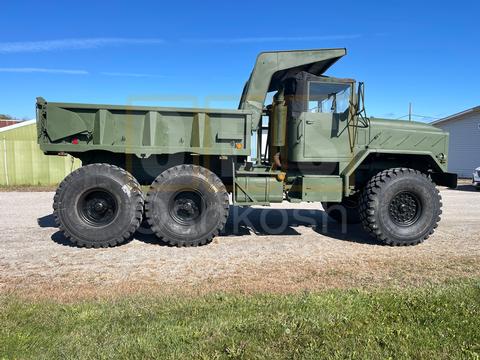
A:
(142, 130)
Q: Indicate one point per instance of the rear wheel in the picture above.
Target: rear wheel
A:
(400, 207)
(98, 205)
(187, 205)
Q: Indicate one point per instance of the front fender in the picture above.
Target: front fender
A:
(442, 177)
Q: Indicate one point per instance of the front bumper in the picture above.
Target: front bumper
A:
(445, 179)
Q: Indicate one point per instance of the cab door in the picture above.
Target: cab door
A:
(326, 121)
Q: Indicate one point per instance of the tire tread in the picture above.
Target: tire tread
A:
(371, 193)
(173, 172)
(136, 220)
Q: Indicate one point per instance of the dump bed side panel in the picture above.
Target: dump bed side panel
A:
(142, 130)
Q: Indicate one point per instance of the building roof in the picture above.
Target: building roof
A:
(7, 122)
(456, 116)
(17, 125)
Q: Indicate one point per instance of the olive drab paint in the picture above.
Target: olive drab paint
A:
(310, 155)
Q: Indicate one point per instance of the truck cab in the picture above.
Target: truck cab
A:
(318, 135)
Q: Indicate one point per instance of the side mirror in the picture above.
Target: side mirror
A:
(360, 98)
(334, 102)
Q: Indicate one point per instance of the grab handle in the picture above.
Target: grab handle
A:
(299, 130)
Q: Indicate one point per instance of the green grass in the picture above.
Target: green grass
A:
(434, 322)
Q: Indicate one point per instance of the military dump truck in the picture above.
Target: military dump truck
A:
(313, 141)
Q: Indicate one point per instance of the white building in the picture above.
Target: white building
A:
(464, 149)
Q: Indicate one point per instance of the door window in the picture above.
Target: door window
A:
(324, 97)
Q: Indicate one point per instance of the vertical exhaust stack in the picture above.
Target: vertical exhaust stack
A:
(278, 129)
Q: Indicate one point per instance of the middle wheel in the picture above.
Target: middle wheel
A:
(187, 205)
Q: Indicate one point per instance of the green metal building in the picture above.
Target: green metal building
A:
(23, 163)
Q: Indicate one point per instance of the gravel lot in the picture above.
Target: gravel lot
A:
(300, 250)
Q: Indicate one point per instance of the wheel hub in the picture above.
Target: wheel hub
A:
(97, 207)
(100, 206)
(405, 208)
(187, 207)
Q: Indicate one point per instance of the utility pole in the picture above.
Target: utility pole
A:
(410, 111)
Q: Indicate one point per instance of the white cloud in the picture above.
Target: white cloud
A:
(43, 70)
(71, 44)
(129, 74)
(271, 39)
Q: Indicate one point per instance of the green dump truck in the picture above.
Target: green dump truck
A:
(314, 143)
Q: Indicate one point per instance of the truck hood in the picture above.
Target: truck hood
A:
(408, 137)
(403, 125)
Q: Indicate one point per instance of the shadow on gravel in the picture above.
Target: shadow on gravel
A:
(60, 239)
(47, 221)
(274, 221)
(470, 188)
(243, 221)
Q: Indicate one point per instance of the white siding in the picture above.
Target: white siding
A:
(464, 149)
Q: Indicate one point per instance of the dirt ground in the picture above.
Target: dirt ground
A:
(298, 249)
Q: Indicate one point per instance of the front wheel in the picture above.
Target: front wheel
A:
(187, 205)
(400, 207)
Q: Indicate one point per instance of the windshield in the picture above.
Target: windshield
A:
(328, 97)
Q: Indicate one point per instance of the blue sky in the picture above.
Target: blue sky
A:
(192, 53)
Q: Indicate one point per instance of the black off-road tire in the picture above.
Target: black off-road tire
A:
(348, 210)
(98, 205)
(187, 205)
(400, 207)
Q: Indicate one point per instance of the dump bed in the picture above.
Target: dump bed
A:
(142, 130)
